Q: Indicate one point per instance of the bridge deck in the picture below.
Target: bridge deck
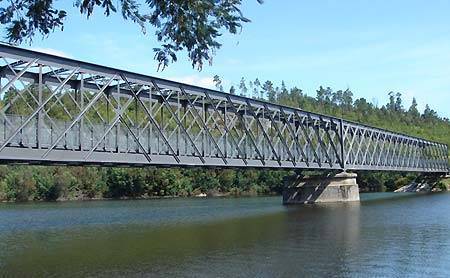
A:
(59, 110)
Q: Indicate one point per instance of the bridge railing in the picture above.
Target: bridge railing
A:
(59, 110)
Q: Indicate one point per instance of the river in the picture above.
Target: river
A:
(386, 234)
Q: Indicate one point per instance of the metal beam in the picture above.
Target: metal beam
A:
(84, 89)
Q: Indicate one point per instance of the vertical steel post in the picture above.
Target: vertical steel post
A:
(208, 139)
(117, 142)
(135, 124)
(81, 122)
(257, 135)
(341, 131)
(281, 154)
(185, 124)
(150, 135)
(39, 115)
(203, 131)
(244, 122)
(161, 125)
(178, 130)
(225, 137)
(263, 143)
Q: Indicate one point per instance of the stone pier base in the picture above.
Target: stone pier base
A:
(305, 190)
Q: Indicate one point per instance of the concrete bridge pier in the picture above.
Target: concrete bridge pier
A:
(306, 190)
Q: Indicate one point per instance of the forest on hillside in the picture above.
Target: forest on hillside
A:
(22, 183)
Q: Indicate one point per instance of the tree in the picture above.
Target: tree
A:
(324, 96)
(362, 106)
(23, 183)
(243, 87)
(347, 99)
(391, 105)
(337, 97)
(269, 91)
(193, 26)
(256, 87)
(232, 90)
(297, 97)
(395, 102)
(284, 90)
(398, 102)
(429, 114)
(413, 111)
(218, 83)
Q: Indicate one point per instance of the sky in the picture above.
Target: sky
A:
(372, 47)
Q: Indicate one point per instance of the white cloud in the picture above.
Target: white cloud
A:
(52, 51)
(196, 80)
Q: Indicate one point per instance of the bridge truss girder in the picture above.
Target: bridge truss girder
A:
(63, 111)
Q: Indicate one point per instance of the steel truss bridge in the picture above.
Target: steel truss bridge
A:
(57, 110)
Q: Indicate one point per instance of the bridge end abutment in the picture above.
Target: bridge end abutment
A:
(307, 190)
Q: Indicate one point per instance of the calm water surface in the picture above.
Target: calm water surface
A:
(385, 235)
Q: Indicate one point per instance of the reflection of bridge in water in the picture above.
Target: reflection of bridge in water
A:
(59, 110)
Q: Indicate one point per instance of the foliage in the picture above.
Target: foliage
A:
(22, 183)
(341, 103)
(193, 26)
(445, 184)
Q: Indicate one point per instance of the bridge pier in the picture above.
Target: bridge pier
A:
(306, 190)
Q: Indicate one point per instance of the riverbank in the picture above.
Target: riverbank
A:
(194, 195)
(61, 183)
(427, 184)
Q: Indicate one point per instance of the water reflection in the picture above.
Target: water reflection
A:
(121, 248)
(230, 237)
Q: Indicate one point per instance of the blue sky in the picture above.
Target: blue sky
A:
(372, 47)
